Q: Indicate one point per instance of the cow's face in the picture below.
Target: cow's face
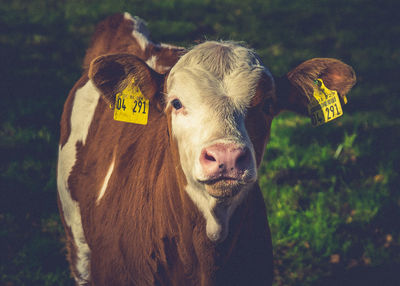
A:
(220, 102)
(216, 97)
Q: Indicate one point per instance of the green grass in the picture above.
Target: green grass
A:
(329, 196)
(332, 192)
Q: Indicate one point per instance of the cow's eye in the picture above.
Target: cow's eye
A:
(176, 103)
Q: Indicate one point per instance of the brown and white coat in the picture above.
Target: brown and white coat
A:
(174, 202)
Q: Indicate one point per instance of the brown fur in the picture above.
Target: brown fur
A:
(70, 244)
(335, 74)
(112, 73)
(295, 88)
(146, 230)
(114, 35)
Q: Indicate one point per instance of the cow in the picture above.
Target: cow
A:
(175, 201)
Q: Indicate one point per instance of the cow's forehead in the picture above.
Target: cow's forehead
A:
(215, 70)
(199, 89)
(220, 58)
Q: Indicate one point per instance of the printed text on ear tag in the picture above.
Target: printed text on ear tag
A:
(324, 105)
(131, 106)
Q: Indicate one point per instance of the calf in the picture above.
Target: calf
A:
(176, 201)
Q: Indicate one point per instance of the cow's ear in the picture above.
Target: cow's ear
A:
(113, 73)
(295, 89)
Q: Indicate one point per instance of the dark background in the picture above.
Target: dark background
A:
(332, 192)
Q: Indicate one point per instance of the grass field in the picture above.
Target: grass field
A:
(332, 192)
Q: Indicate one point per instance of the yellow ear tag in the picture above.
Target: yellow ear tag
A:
(324, 105)
(131, 105)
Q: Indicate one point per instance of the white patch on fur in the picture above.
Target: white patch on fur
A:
(105, 183)
(84, 105)
(152, 62)
(162, 69)
(215, 83)
(168, 46)
(128, 16)
(140, 31)
(141, 39)
(142, 36)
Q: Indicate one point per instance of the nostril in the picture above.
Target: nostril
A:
(209, 157)
(242, 158)
(225, 159)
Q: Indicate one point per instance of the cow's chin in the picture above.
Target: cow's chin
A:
(224, 189)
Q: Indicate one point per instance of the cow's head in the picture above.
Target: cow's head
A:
(219, 100)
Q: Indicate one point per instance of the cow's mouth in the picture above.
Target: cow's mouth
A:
(223, 187)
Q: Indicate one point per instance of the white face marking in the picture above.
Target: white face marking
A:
(84, 105)
(105, 183)
(209, 115)
(214, 109)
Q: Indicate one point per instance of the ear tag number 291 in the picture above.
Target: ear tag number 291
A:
(324, 105)
(131, 106)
